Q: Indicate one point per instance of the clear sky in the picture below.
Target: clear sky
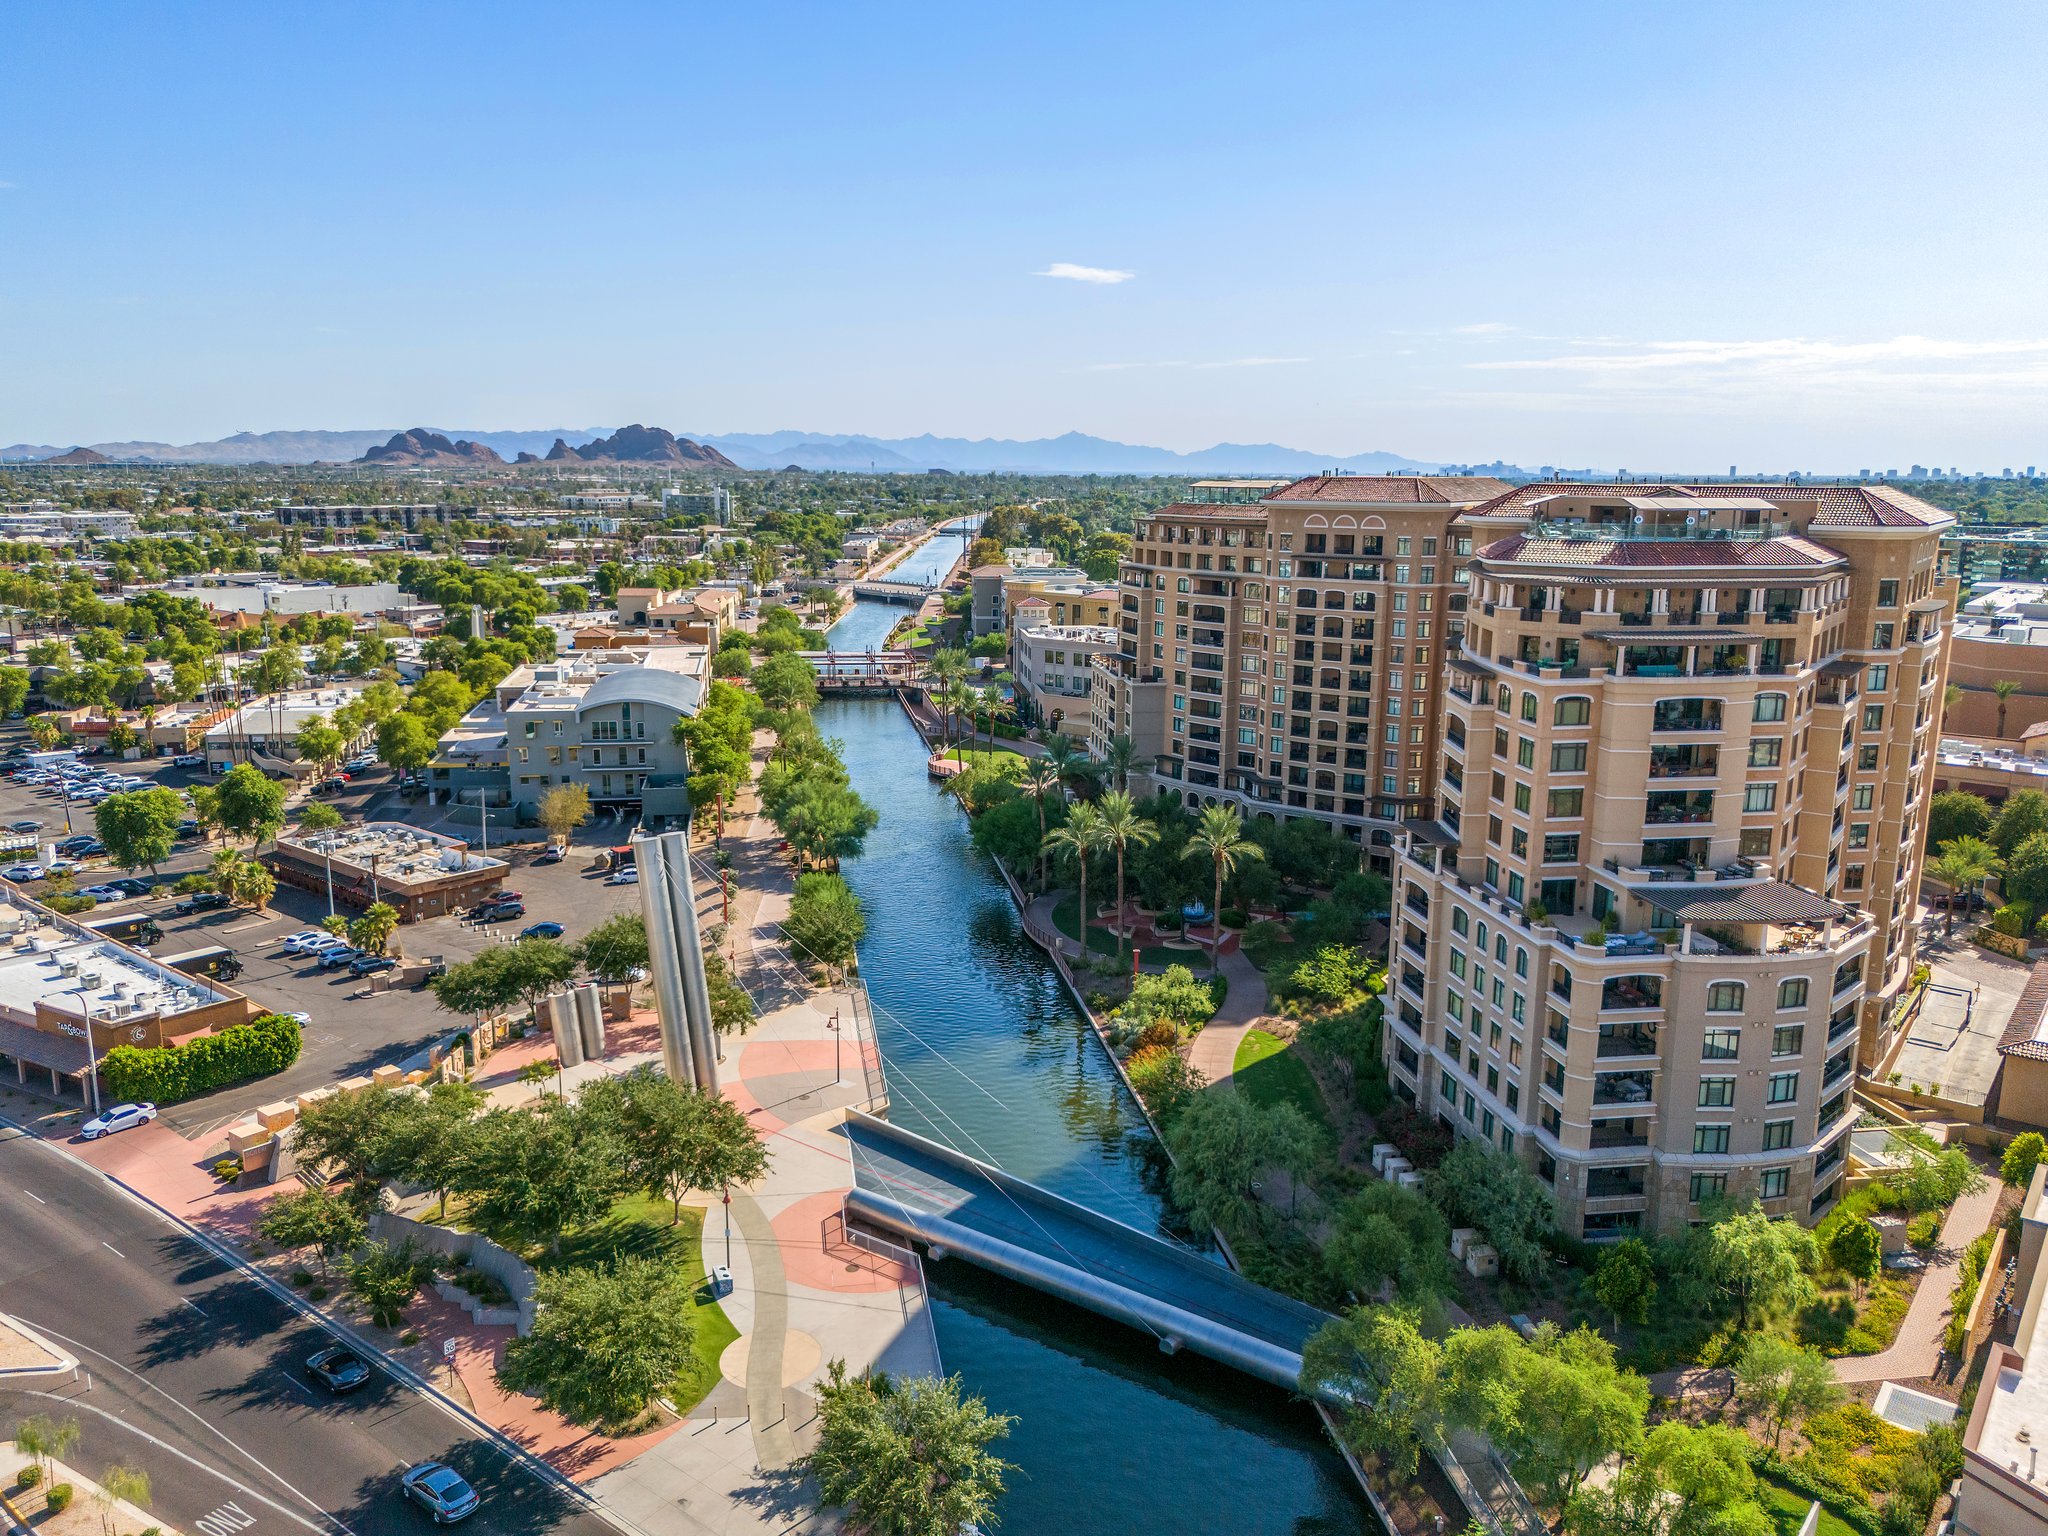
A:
(1658, 236)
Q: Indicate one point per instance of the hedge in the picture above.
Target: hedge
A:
(167, 1074)
(1843, 1503)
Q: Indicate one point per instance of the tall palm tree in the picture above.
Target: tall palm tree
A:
(1123, 829)
(1122, 752)
(2004, 690)
(1963, 865)
(992, 707)
(1219, 837)
(1075, 767)
(956, 698)
(1080, 836)
(1040, 779)
(1950, 696)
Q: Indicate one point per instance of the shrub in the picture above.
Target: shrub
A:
(1233, 917)
(2017, 1166)
(1924, 1230)
(226, 1170)
(169, 1074)
(58, 1498)
(28, 1476)
(302, 1278)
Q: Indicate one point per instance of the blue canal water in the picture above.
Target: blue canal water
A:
(985, 1051)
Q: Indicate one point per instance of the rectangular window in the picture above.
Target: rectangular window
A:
(1567, 802)
(1521, 797)
(1887, 594)
(1792, 992)
(1765, 751)
(1561, 848)
(1784, 1088)
(1877, 679)
(1720, 1045)
(1788, 1039)
(1717, 1093)
(1568, 757)
(1525, 753)
(1777, 1135)
(1572, 711)
(1769, 706)
(1774, 1183)
(1860, 797)
(1873, 717)
(1709, 1186)
(1760, 797)
(1724, 997)
(1710, 1138)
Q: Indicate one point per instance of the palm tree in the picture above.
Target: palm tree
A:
(1121, 753)
(1080, 836)
(1950, 696)
(1040, 779)
(956, 698)
(1220, 837)
(1075, 767)
(1122, 829)
(1962, 865)
(992, 707)
(2004, 690)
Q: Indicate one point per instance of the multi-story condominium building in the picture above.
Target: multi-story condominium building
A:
(602, 718)
(1284, 652)
(1051, 665)
(1666, 899)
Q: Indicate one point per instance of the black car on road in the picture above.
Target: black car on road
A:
(204, 901)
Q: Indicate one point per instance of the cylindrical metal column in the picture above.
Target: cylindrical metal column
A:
(590, 1020)
(665, 962)
(682, 902)
(568, 1036)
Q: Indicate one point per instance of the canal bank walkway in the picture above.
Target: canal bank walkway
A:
(805, 1292)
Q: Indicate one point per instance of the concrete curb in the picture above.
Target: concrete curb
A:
(513, 1451)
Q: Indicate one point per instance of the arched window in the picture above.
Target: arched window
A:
(1724, 997)
(1574, 710)
(1792, 992)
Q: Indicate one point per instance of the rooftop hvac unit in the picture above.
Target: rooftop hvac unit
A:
(67, 967)
(89, 978)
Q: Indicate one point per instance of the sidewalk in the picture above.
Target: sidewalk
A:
(90, 1512)
(1914, 1352)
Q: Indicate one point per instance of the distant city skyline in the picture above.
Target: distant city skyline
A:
(1778, 237)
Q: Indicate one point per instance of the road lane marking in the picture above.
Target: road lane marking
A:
(39, 1200)
(185, 1456)
(194, 1305)
(117, 1253)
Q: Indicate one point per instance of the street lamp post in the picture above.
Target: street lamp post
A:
(327, 853)
(92, 1055)
(725, 1195)
(833, 1025)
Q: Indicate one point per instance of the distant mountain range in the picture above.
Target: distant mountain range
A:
(1071, 453)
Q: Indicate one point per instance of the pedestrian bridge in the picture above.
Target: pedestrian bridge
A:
(916, 1188)
(866, 671)
(884, 591)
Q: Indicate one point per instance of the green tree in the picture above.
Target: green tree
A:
(2024, 813)
(1383, 1380)
(1079, 837)
(2025, 1150)
(1783, 1383)
(345, 1139)
(2026, 869)
(614, 949)
(825, 922)
(1123, 830)
(524, 971)
(1478, 1185)
(373, 930)
(407, 742)
(2004, 690)
(1557, 1405)
(907, 1458)
(385, 1278)
(14, 687)
(1763, 1266)
(313, 1218)
(1172, 995)
(533, 1174)
(824, 821)
(605, 1342)
(249, 804)
(1220, 838)
(319, 816)
(140, 828)
(1626, 1281)
(1856, 1248)
(121, 1484)
(1225, 1146)
(1388, 1235)
(1956, 813)
(678, 1137)
(320, 744)
(563, 809)
(1040, 779)
(732, 1010)
(44, 1439)
(786, 682)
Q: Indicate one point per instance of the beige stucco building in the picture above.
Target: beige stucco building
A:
(1666, 897)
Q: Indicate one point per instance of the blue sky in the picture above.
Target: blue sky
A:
(1653, 236)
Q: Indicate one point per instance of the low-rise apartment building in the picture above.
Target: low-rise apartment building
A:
(602, 718)
(1053, 667)
(1665, 903)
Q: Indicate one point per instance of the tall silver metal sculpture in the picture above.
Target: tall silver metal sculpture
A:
(668, 901)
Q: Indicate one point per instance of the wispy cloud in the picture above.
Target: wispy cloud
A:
(1189, 362)
(1076, 273)
(1483, 328)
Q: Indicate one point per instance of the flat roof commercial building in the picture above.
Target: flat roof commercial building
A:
(422, 874)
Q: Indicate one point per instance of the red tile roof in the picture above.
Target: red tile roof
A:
(1793, 552)
(1833, 506)
(1433, 490)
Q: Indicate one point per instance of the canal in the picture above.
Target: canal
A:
(986, 1052)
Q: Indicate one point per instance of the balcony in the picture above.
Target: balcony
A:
(1686, 715)
(1619, 1133)
(1678, 807)
(1626, 1040)
(1688, 762)
(1610, 1183)
(1623, 1087)
(1627, 992)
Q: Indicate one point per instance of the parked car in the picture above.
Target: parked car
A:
(21, 874)
(24, 825)
(105, 893)
(541, 931)
(334, 959)
(440, 1491)
(361, 764)
(497, 911)
(204, 901)
(554, 853)
(333, 784)
(128, 885)
(298, 943)
(338, 1370)
(121, 1117)
(189, 827)
(80, 846)
(189, 760)
(630, 875)
(370, 965)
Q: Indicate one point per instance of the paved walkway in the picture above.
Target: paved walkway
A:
(1913, 1354)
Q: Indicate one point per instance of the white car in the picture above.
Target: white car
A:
(630, 875)
(105, 893)
(293, 943)
(122, 1117)
(21, 873)
(189, 760)
(313, 948)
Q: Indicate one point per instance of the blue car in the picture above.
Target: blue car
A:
(541, 931)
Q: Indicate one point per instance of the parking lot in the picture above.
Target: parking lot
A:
(354, 1026)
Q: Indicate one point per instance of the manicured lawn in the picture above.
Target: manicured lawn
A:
(1003, 758)
(1268, 1073)
(1101, 941)
(639, 1227)
(1788, 1509)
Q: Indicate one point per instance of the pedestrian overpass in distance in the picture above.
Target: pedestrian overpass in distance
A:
(916, 1188)
(866, 671)
(884, 590)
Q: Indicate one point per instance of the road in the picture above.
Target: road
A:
(191, 1371)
